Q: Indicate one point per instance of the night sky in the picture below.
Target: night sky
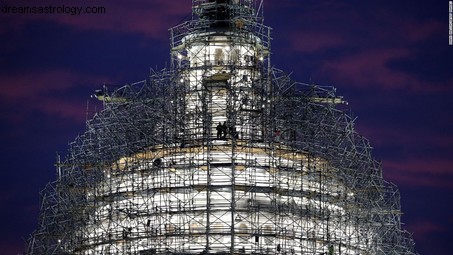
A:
(390, 60)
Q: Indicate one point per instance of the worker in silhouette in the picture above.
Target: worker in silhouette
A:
(219, 131)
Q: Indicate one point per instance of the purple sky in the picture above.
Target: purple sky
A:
(389, 59)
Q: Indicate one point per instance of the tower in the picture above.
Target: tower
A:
(220, 154)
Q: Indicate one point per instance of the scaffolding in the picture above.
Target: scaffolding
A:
(220, 154)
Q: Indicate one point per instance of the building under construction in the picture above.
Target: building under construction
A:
(220, 154)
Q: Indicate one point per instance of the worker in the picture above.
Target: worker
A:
(219, 131)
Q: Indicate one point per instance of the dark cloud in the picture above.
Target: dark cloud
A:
(369, 68)
(313, 42)
(151, 18)
(46, 92)
(376, 46)
(421, 172)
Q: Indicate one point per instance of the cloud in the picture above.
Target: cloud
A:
(411, 156)
(416, 31)
(48, 92)
(420, 172)
(4, 197)
(371, 68)
(151, 18)
(424, 230)
(64, 108)
(11, 248)
(388, 133)
(368, 68)
(22, 86)
(312, 42)
(362, 46)
(144, 17)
